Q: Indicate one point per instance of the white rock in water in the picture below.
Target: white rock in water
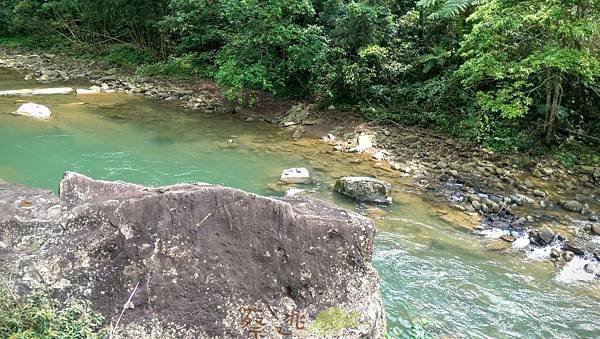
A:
(53, 91)
(295, 175)
(14, 92)
(365, 142)
(34, 111)
(38, 91)
(83, 91)
(294, 191)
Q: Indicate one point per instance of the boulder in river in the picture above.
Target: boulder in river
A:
(364, 189)
(295, 175)
(35, 111)
(195, 260)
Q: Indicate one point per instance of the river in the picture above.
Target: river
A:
(431, 264)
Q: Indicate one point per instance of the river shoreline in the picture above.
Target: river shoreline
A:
(511, 197)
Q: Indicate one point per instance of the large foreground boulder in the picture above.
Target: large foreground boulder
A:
(364, 189)
(197, 261)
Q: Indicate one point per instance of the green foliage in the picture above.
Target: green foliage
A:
(182, 67)
(334, 319)
(127, 55)
(38, 316)
(516, 47)
(447, 8)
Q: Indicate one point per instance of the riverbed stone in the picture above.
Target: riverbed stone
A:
(364, 142)
(546, 235)
(299, 131)
(295, 175)
(295, 115)
(196, 257)
(547, 171)
(521, 199)
(595, 228)
(34, 111)
(568, 256)
(364, 189)
(572, 205)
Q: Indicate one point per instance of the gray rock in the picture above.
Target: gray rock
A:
(568, 255)
(200, 255)
(546, 235)
(501, 171)
(521, 199)
(364, 189)
(539, 193)
(555, 253)
(298, 132)
(547, 171)
(572, 205)
(595, 229)
(109, 78)
(476, 205)
(474, 197)
(295, 116)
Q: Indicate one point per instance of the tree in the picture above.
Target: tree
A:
(520, 54)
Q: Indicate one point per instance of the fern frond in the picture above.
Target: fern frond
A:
(447, 8)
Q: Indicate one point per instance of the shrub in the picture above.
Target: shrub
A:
(38, 316)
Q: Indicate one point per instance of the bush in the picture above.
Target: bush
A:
(38, 316)
(128, 55)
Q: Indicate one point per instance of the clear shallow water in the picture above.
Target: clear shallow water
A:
(430, 267)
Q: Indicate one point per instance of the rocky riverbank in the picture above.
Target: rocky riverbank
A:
(515, 197)
(194, 261)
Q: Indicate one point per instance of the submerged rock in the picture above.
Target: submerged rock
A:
(196, 260)
(34, 111)
(364, 189)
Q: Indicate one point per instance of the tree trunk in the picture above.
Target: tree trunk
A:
(555, 99)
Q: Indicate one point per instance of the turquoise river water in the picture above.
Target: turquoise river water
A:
(431, 266)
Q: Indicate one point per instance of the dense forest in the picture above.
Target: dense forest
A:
(506, 74)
